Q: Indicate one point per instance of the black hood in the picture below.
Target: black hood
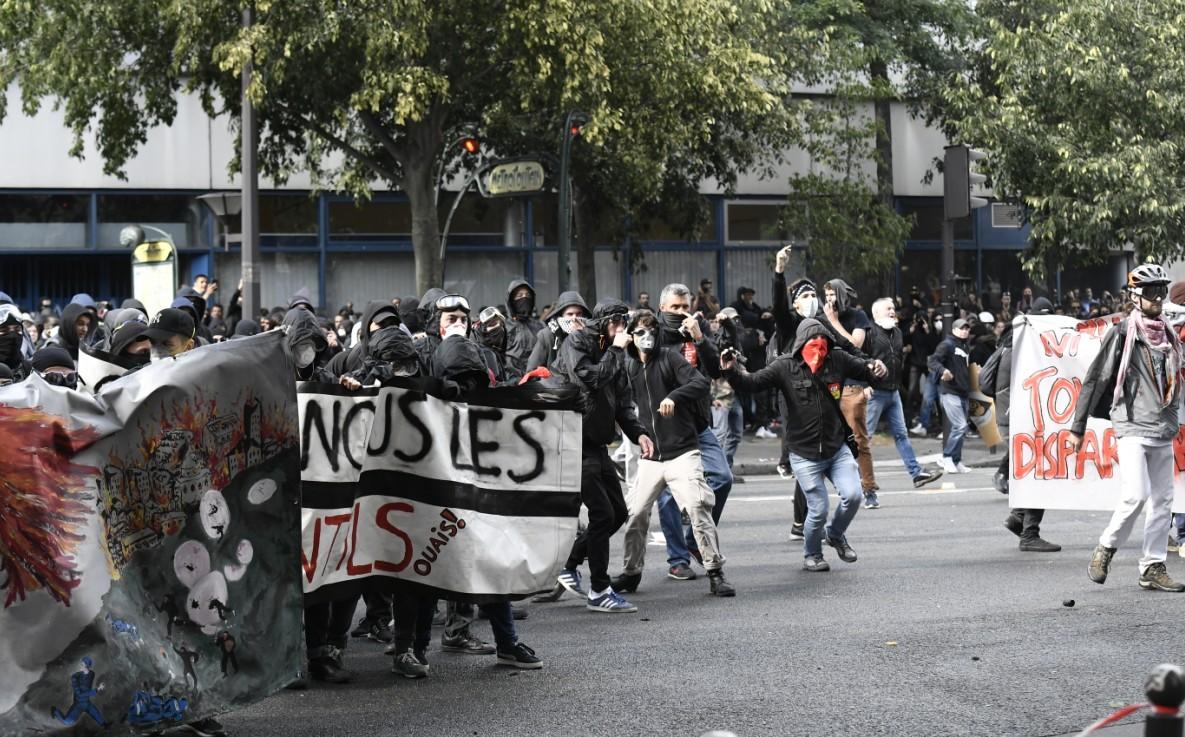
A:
(514, 286)
(196, 299)
(566, 300)
(845, 296)
(245, 328)
(392, 345)
(459, 359)
(409, 312)
(133, 303)
(607, 306)
(301, 298)
(302, 326)
(373, 308)
(807, 329)
(125, 335)
(66, 334)
(428, 309)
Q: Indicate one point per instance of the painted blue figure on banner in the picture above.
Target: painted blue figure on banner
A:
(148, 708)
(82, 684)
(123, 627)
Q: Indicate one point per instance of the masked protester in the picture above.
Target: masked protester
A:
(593, 358)
(306, 345)
(172, 333)
(690, 336)
(377, 315)
(491, 331)
(1135, 382)
(53, 364)
(14, 344)
(810, 379)
(569, 311)
(728, 420)
(392, 355)
(669, 394)
(459, 363)
(130, 343)
(522, 327)
(198, 303)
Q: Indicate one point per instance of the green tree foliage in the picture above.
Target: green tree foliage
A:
(1077, 104)
(374, 90)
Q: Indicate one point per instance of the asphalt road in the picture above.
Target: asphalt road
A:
(941, 628)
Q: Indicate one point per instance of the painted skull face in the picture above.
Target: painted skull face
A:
(215, 514)
(191, 562)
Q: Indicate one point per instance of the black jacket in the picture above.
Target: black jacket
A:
(589, 361)
(952, 354)
(814, 425)
(520, 330)
(550, 337)
(352, 360)
(667, 375)
(886, 346)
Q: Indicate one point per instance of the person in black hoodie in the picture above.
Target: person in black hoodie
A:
(593, 358)
(307, 345)
(522, 327)
(76, 324)
(569, 311)
(377, 315)
(810, 378)
(12, 341)
(667, 391)
(949, 362)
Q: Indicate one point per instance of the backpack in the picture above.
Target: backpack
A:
(987, 375)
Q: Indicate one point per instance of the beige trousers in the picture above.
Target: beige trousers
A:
(685, 477)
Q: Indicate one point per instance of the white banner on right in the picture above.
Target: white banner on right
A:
(1050, 356)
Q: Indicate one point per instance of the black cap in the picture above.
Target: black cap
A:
(51, 356)
(125, 335)
(746, 290)
(169, 322)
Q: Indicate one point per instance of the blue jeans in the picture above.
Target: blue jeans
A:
(841, 469)
(719, 477)
(888, 402)
(728, 425)
(929, 399)
(955, 408)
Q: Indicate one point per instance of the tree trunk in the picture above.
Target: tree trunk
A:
(586, 277)
(882, 109)
(419, 172)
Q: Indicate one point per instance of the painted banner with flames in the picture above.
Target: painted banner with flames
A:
(150, 543)
(1050, 356)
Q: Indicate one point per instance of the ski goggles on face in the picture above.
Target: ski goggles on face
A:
(489, 315)
(1153, 292)
(450, 302)
(643, 331)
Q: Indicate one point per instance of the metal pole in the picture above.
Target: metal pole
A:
(563, 274)
(250, 210)
(948, 274)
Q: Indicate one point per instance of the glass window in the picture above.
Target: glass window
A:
(928, 225)
(43, 221)
(358, 278)
(755, 223)
(287, 215)
(369, 219)
(177, 215)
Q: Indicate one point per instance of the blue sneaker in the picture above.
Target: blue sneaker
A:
(871, 502)
(611, 602)
(569, 578)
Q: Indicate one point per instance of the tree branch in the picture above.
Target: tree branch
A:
(383, 171)
(376, 129)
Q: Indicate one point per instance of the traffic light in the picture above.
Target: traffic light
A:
(959, 180)
(576, 123)
(470, 144)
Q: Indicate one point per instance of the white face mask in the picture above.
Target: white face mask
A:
(567, 324)
(158, 353)
(457, 328)
(938, 324)
(645, 342)
(305, 354)
(809, 306)
(887, 323)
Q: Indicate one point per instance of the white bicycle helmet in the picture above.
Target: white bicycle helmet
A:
(1147, 275)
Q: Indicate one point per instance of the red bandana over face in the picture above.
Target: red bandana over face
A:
(814, 352)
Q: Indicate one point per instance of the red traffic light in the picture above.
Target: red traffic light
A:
(575, 129)
(470, 144)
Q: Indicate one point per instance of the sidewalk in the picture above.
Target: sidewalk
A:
(759, 457)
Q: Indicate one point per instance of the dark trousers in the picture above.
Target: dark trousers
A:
(413, 621)
(502, 623)
(600, 491)
(327, 625)
(1030, 520)
(799, 505)
(378, 607)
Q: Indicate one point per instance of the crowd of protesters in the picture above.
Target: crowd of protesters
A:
(680, 380)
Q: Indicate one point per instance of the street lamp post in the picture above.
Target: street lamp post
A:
(572, 125)
(249, 138)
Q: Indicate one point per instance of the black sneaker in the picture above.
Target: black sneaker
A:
(626, 583)
(679, 572)
(1037, 545)
(926, 477)
(208, 727)
(796, 532)
(380, 632)
(842, 549)
(329, 670)
(465, 643)
(1000, 481)
(520, 656)
(1013, 525)
(406, 664)
(719, 585)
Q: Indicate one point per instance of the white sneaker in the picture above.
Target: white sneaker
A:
(948, 465)
(765, 434)
(961, 468)
(917, 429)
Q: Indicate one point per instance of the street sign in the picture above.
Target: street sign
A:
(515, 178)
(154, 275)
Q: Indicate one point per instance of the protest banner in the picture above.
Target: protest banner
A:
(1051, 354)
(475, 501)
(149, 543)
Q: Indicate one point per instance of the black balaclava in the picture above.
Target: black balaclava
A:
(10, 343)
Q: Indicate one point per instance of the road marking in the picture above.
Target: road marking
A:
(919, 492)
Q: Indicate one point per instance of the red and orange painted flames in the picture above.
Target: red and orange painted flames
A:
(43, 503)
